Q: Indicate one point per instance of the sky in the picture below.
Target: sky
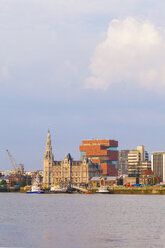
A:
(85, 69)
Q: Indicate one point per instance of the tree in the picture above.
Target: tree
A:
(154, 180)
(23, 183)
(3, 182)
(28, 181)
(13, 183)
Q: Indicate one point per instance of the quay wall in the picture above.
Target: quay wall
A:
(138, 190)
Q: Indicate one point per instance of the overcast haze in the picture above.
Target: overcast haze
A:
(86, 69)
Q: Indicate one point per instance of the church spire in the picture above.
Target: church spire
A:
(48, 142)
(48, 161)
(49, 153)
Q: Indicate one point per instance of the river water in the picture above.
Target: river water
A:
(82, 221)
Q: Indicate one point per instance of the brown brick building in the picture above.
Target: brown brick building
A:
(103, 152)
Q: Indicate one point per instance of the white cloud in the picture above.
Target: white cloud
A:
(133, 52)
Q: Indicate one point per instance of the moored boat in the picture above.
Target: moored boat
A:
(58, 189)
(88, 192)
(103, 190)
(35, 190)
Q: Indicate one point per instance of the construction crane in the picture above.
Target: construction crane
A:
(18, 169)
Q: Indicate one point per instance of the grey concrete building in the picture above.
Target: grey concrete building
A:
(158, 164)
(123, 162)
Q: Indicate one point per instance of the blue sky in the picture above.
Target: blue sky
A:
(86, 70)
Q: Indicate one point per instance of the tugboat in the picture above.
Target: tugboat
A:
(35, 188)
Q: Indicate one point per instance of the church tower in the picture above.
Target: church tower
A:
(48, 162)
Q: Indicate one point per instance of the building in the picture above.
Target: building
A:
(158, 164)
(105, 181)
(103, 152)
(130, 180)
(123, 162)
(67, 171)
(138, 161)
(146, 177)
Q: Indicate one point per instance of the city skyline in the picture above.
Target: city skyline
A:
(61, 159)
(64, 69)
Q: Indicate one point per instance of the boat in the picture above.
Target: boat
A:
(58, 189)
(103, 190)
(35, 188)
(88, 192)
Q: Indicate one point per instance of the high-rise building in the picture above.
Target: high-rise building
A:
(123, 162)
(103, 152)
(138, 161)
(67, 171)
(158, 164)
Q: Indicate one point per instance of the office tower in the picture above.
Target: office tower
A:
(158, 164)
(123, 162)
(138, 161)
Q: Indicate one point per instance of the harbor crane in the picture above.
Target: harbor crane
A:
(18, 169)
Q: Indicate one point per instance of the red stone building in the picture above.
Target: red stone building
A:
(103, 152)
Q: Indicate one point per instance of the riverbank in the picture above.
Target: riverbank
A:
(138, 190)
(154, 190)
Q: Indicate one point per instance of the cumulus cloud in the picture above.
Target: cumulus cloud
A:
(133, 52)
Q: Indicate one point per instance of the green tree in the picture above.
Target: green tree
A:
(23, 183)
(28, 181)
(3, 182)
(154, 180)
(13, 183)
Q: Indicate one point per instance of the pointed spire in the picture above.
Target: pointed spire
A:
(49, 153)
(48, 142)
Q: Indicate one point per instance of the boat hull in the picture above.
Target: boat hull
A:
(102, 192)
(34, 192)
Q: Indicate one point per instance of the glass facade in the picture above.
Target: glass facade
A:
(112, 149)
(82, 154)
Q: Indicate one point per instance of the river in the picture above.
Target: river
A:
(82, 221)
